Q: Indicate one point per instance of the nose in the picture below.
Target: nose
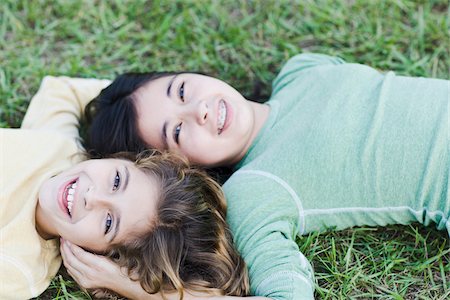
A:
(197, 111)
(94, 199)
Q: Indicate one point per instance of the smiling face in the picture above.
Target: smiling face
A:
(198, 116)
(97, 203)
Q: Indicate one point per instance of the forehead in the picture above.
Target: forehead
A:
(144, 187)
(154, 86)
(95, 165)
(153, 110)
(105, 164)
(139, 208)
(160, 86)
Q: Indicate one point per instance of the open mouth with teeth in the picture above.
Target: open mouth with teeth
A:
(222, 116)
(69, 196)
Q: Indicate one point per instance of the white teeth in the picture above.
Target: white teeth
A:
(70, 197)
(222, 115)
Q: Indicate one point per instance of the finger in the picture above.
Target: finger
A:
(67, 253)
(72, 262)
(100, 293)
(84, 256)
(65, 248)
(76, 274)
(69, 261)
(94, 262)
(64, 253)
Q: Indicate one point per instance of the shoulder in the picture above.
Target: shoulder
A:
(261, 184)
(259, 198)
(300, 63)
(27, 265)
(313, 59)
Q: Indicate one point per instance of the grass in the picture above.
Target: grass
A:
(397, 262)
(245, 43)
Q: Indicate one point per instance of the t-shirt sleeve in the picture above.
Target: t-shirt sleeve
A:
(59, 103)
(299, 63)
(263, 219)
(16, 282)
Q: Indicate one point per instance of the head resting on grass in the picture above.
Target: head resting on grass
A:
(151, 213)
(197, 116)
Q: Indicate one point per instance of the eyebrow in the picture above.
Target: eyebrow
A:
(116, 229)
(164, 128)
(169, 87)
(117, 226)
(127, 178)
(164, 136)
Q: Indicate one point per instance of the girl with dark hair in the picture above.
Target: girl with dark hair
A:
(158, 219)
(116, 138)
(337, 145)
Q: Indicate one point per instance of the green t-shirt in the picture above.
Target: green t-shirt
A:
(344, 145)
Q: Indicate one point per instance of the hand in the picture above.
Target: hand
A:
(90, 270)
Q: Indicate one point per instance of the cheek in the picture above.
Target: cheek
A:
(149, 134)
(44, 195)
(82, 235)
(196, 145)
(206, 154)
(48, 187)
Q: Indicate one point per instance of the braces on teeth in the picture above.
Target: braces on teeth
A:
(222, 115)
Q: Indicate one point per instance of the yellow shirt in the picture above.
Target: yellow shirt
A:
(46, 144)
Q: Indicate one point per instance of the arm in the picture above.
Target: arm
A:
(92, 271)
(59, 103)
(14, 283)
(264, 219)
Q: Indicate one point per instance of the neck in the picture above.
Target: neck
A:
(260, 115)
(261, 112)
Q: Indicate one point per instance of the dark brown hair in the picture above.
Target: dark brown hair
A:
(189, 245)
(109, 121)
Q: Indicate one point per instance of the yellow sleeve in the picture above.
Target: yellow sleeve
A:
(13, 278)
(59, 103)
(19, 280)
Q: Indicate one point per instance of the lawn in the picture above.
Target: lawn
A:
(245, 43)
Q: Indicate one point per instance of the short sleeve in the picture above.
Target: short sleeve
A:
(299, 63)
(264, 222)
(13, 279)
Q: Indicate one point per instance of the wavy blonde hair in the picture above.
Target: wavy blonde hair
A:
(189, 246)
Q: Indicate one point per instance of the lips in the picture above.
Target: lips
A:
(67, 197)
